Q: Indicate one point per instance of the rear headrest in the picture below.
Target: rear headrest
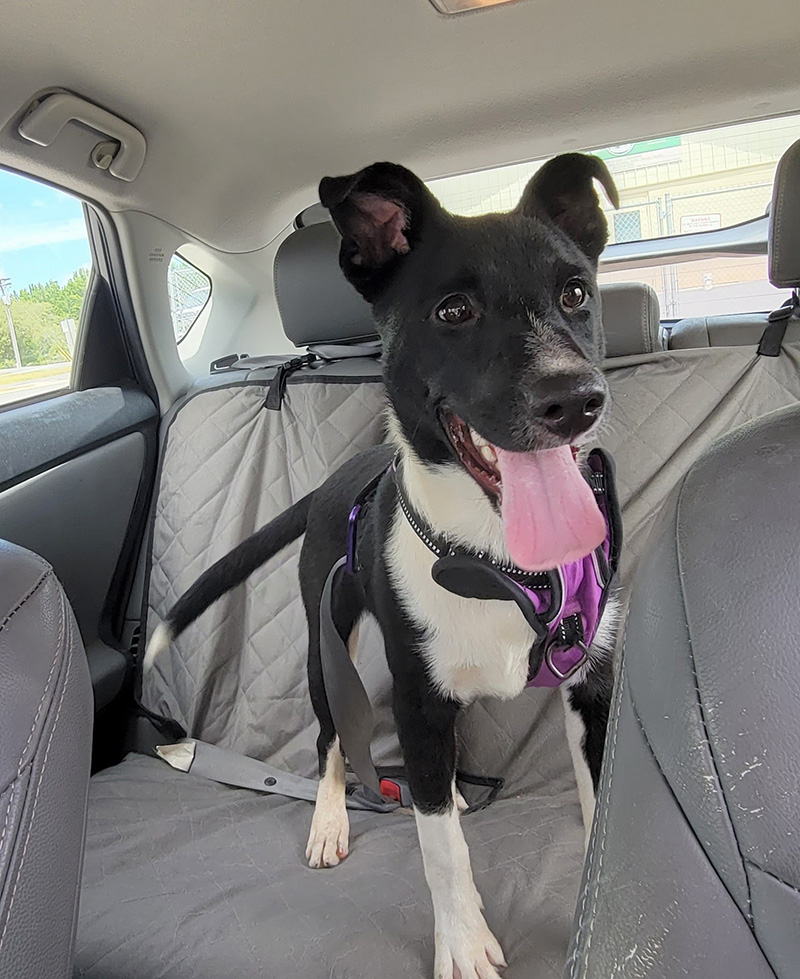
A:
(318, 305)
(631, 318)
(784, 222)
(316, 302)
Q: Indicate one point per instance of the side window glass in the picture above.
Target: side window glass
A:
(189, 292)
(45, 265)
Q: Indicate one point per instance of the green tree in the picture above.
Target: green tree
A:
(66, 300)
(39, 334)
(37, 312)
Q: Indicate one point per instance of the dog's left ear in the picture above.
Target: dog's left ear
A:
(380, 213)
(562, 191)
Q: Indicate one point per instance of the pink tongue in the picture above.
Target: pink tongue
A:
(550, 516)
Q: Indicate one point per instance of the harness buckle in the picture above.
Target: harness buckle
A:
(397, 790)
(562, 675)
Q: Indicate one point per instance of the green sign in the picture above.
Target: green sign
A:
(634, 149)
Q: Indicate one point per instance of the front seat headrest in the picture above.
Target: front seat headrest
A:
(317, 304)
(631, 318)
(784, 222)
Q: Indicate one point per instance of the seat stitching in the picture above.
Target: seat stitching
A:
(24, 599)
(33, 589)
(36, 795)
(13, 788)
(607, 791)
(56, 660)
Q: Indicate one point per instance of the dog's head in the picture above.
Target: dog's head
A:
(491, 325)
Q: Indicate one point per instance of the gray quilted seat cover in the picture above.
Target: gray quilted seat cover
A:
(189, 878)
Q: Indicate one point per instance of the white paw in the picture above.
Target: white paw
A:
(461, 803)
(329, 838)
(467, 950)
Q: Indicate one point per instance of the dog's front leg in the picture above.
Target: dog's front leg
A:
(464, 946)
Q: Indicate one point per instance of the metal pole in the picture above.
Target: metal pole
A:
(5, 284)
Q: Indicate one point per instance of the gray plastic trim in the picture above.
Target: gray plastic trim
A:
(36, 437)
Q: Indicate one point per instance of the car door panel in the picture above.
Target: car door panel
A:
(75, 477)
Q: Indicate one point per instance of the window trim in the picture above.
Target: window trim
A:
(747, 238)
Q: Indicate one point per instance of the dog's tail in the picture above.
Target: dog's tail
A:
(228, 572)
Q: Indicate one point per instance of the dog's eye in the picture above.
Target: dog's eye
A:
(573, 295)
(455, 310)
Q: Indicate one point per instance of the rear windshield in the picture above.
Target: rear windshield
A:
(669, 186)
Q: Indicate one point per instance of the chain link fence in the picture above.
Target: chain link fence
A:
(703, 287)
(189, 290)
(676, 214)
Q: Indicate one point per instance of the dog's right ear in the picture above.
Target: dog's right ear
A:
(380, 213)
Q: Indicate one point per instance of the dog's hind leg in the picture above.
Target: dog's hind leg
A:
(329, 838)
(587, 702)
(576, 738)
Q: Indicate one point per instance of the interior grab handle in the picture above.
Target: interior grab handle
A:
(48, 116)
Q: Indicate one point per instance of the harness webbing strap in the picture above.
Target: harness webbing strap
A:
(777, 322)
(349, 704)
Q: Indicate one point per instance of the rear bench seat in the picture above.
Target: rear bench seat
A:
(189, 878)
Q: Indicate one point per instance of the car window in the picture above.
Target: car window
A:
(683, 184)
(675, 185)
(189, 291)
(45, 264)
(707, 286)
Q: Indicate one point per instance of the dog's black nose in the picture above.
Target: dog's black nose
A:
(568, 409)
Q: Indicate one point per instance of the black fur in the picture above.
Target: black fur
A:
(406, 255)
(592, 700)
(239, 564)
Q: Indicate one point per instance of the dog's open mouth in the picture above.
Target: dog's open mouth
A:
(477, 455)
(550, 516)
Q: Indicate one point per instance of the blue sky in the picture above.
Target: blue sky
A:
(42, 232)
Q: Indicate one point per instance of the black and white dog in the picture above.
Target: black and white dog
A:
(492, 338)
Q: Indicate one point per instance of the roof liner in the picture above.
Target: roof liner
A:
(246, 105)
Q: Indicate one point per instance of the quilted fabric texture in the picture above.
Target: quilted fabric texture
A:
(188, 878)
(236, 677)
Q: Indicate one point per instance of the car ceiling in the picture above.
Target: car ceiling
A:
(246, 104)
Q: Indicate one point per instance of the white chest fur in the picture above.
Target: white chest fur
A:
(473, 648)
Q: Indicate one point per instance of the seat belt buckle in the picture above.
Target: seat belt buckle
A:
(397, 790)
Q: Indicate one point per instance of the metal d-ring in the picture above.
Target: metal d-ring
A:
(548, 658)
